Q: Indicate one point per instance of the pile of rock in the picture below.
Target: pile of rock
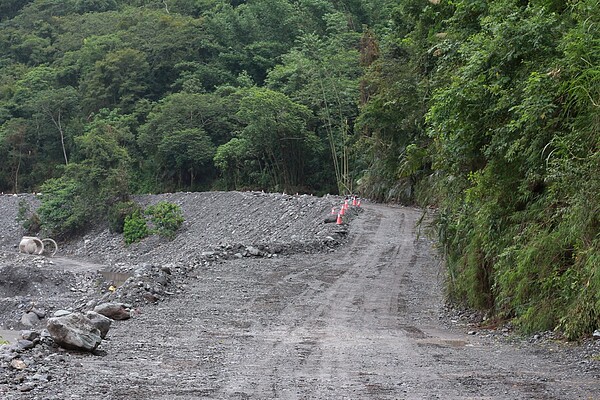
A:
(25, 362)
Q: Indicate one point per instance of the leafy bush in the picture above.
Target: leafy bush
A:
(166, 218)
(64, 210)
(135, 227)
(118, 213)
(163, 219)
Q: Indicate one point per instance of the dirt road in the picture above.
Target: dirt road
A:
(361, 322)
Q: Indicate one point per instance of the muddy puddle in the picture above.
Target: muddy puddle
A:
(115, 278)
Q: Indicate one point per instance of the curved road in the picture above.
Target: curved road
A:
(357, 323)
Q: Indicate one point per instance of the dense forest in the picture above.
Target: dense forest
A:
(487, 111)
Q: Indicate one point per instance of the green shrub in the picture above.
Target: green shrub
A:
(163, 219)
(118, 213)
(63, 210)
(166, 218)
(135, 227)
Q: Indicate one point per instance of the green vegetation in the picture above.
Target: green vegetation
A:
(489, 111)
(118, 213)
(135, 227)
(486, 110)
(163, 219)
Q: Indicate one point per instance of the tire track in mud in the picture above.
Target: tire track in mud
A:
(373, 332)
(347, 343)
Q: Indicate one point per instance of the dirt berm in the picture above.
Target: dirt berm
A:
(258, 298)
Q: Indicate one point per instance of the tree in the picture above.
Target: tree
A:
(200, 121)
(323, 74)
(118, 80)
(50, 112)
(186, 153)
(63, 210)
(275, 132)
(57, 106)
(10, 8)
(13, 144)
(90, 185)
(230, 158)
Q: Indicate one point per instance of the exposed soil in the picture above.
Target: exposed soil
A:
(257, 298)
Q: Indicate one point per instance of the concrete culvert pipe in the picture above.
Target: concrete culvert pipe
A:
(52, 249)
(31, 245)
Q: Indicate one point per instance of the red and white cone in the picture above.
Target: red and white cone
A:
(333, 211)
(354, 201)
(342, 210)
(358, 204)
(339, 219)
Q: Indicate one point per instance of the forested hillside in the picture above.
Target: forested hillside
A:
(487, 110)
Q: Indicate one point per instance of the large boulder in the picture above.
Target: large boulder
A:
(116, 311)
(100, 321)
(74, 331)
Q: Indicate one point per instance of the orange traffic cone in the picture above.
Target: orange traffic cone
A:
(333, 211)
(342, 210)
(339, 219)
(358, 204)
(354, 201)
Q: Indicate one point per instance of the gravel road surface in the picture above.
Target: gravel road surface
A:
(362, 320)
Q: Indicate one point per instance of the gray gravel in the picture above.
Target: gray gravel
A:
(258, 298)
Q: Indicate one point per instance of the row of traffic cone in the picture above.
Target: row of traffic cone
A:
(344, 208)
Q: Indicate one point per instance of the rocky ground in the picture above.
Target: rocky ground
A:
(258, 298)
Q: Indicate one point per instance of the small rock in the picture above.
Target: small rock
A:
(30, 319)
(39, 313)
(330, 218)
(18, 364)
(166, 270)
(596, 334)
(472, 333)
(25, 344)
(253, 251)
(61, 313)
(27, 387)
(30, 335)
(116, 311)
(150, 297)
(41, 377)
